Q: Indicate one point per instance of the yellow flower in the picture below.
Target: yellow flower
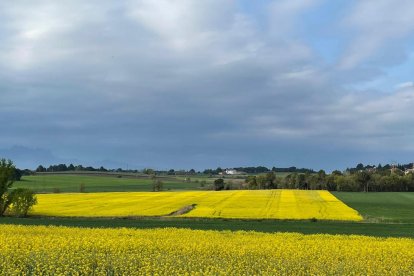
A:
(258, 204)
(41, 250)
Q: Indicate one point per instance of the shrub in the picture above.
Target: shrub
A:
(22, 201)
(157, 185)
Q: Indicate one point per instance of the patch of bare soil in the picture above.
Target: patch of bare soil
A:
(183, 210)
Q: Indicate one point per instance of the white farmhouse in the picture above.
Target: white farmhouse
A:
(231, 171)
(407, 171)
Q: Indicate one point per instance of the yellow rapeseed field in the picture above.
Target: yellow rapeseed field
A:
(41, 250)
(257, 204)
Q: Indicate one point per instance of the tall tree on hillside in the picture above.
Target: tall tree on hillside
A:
(7, 171)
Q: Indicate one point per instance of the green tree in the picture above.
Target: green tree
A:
(157, 185)
(330, 182)
(346, 184)
(148, 171)
(363, 180)
(41, 169)
(261, 181)
(409, 181)
(251, 182)
(270, 180)
(7, 172)
(17, 175)
(336, 172)
(301, 181)
(219, 184)
(313, 182)
(22, 201)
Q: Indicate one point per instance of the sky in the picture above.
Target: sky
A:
(200, 84)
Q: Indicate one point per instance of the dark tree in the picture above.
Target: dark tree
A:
(208, 171)
(157, 185)
(362, 178)
(251, 181)
(148, 171)
(41, 169)
(7, 171)
(336, 172)
(360, 166)
(17, 175)
(219, 184)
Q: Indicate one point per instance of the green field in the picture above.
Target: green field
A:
(305, 227)
(50, 183)
(392, 207)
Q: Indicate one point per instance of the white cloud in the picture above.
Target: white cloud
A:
(284, 13)
(183, 24)
(408, 84)
(377, 24)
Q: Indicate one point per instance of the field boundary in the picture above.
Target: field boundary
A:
(217, 224)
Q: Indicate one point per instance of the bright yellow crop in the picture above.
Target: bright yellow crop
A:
(40, 250)
(267, 204)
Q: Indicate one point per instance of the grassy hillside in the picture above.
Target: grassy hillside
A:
(118, 182)
(49, 183)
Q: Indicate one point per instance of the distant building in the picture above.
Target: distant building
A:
(231, 171)
(407, 171)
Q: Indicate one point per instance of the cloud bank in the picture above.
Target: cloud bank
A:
(182, 84)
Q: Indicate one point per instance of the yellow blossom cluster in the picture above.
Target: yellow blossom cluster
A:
(248, 204)
(48, 250)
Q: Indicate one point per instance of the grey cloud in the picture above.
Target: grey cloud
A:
(127, 83)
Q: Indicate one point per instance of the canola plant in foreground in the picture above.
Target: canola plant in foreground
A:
(247, 204)
(41, 250)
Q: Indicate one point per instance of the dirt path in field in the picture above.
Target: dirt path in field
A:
(183, 210)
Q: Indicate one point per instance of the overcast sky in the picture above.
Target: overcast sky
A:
(198, 84)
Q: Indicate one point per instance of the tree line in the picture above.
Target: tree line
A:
(259, 169)
(70, 167)
(218, 170)
(357, 181)
(359, 178)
